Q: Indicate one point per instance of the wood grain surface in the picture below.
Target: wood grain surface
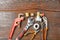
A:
(9, 10)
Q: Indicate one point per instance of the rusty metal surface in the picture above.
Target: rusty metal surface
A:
(10, 8)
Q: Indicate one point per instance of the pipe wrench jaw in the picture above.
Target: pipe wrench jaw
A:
(21, 16)
(18, 20)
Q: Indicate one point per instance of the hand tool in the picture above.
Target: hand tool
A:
(45, 30)
(15, 24)
(29, 24)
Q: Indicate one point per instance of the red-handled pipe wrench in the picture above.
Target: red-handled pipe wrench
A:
(15, 24)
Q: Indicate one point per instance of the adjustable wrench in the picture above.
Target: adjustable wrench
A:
(29, 24)
(15, 24)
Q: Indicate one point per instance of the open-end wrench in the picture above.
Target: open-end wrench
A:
(19, 16)
(29, 24)
(15, 24)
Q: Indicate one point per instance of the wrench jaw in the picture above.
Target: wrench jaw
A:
(21, 16)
